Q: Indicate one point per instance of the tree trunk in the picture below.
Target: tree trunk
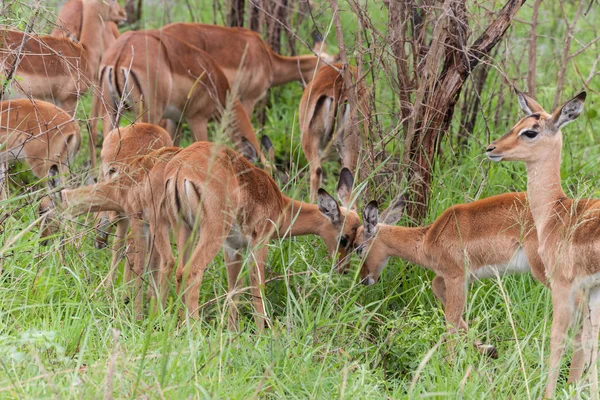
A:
(134, 11)
(235, 16)
(439, 88)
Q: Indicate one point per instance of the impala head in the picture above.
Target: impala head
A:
(368, 246)
(538, 133)
(320, 48)
(340, 234)
(115, 12)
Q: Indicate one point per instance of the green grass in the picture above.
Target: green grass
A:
(330, 336)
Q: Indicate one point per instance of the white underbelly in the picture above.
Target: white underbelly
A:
(518, 264)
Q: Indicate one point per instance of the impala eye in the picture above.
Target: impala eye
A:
(530, 134)
(343, 242)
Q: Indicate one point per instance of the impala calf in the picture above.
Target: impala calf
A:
(121, 146)
(70, 20)
(135, 189)
(482, 239)
(247, 61)
(324, 121)
(568, 229)
(139, 72)
(226, 202)
(38, 133)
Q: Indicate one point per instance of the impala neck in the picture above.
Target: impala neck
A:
(405, 243)
(288, 69)
(301, 218)
(543, 186)
(92, 30)
(91, 198)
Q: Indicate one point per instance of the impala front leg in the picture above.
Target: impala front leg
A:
(233, 261)
(257, 277)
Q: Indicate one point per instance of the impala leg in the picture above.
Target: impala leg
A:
(207, 248)
(594, 304)
(199, 127)
(561, 317)
(183, 238)
(139, 257)
(234, 261)
(118, 250)
(162, 245)
(582, 329)
(257, 277)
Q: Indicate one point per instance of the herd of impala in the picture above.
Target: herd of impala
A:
(212, 197)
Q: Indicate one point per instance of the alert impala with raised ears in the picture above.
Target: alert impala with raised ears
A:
(482, 239)
(568, 229)
(217, 199)
(325, 116)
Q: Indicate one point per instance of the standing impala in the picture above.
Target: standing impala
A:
(483, 239)
(70, 21)
(39, 133)
(324, 121)
(139, 71)
(262, 68)
(228, 203)
(568, 229)
(136, 189)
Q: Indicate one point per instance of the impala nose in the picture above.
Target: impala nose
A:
(368, 281)
(491, 147)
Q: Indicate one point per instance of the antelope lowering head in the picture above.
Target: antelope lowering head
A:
(538, 133)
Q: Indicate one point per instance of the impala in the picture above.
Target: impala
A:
(120, 147)
(568, 229)
(228, 203)
(482, 239)
(247, 60)
(139, 71)
(324, 121)
(56, 68)
(70, 21)
(39, 133)
(136, 189)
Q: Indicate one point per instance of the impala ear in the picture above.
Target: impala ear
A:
(569, 111)
(370, 219)
(528, 105)
(328, 206)
(394, 212)
(344, 188)
(248, 150)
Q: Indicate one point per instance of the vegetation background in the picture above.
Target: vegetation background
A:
(64, 335)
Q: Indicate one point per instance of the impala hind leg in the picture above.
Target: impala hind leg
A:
(207, 248)
(234, 261)
(561, 318)
(162, 246)
(140, 247)
(581, 351)
(594, 310)
(311, 151)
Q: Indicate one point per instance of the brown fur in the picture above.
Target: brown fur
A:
(567, 230)
(170, 79)
(262, 67)
(481, 233)
(227, 202)
(324, 121)
(39, 133)
(70, 20)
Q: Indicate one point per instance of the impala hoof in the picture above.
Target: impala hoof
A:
(488, 350)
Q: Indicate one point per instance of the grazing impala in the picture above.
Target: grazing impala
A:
(483, 239)
(139, 70)
(568, 229)
(228, 203)
(121, 146)
(262, 68)
(70, 21)
(324, 121)
(38, 133)
(56, 68)
(136, 189)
